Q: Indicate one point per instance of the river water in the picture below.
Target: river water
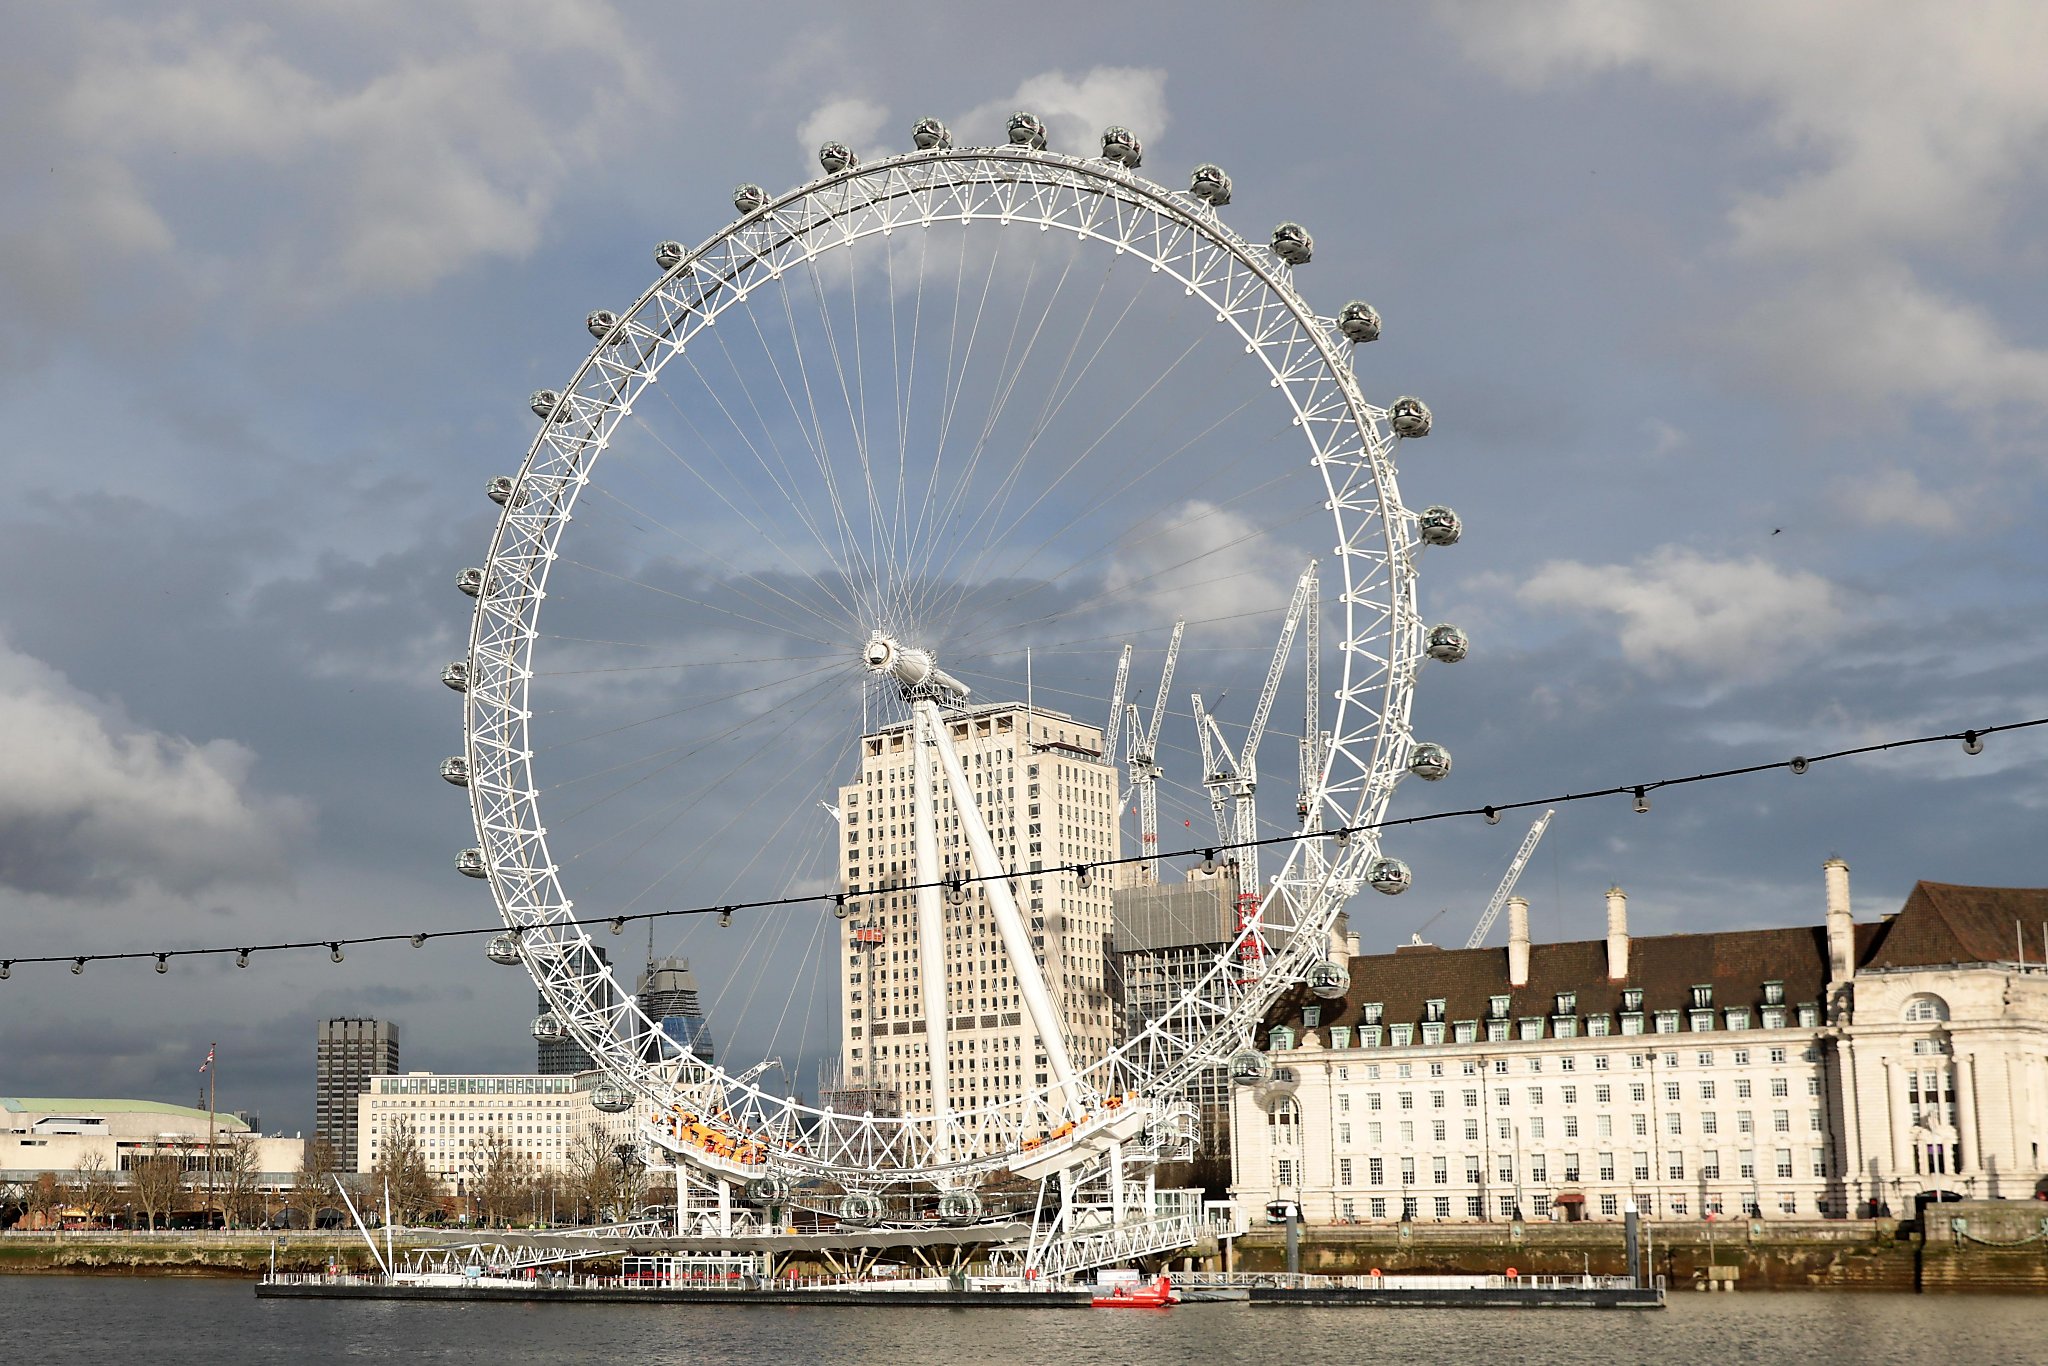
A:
(171, 1322)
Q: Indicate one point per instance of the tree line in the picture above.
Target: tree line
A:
(502, 1187)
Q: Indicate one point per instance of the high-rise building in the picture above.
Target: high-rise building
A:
(348, 1053)
(1050, 799)
(561, 1055)
(1168, 938)
(667, 993)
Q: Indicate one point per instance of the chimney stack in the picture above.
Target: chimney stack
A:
(1518, 941)
(1841, 924)
(1617, 935)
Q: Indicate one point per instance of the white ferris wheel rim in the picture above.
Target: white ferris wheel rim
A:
(1379, 649)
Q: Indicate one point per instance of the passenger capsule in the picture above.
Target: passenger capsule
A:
(959, 1207)
(499, 490)
(1447, 644)
(1430, 763)
(470, 581)
(836, 157)
(1328, 980)
(1210, 185)
(546, 1026)
(456, 675)
(503, 950)
(1121, 145)
(455, 769)
(611, 1098)
(602, 323)
(749, 197)
(669, 255)
(859, 1207)
(1359, 322)
(1279, 1087)
(470, 862)
(767, 1190)
(1438, 525)
(1026, 130)
(929, 134)
(1292, 244)
(1409, 417)
(1248, 1067)
(1389, 875)
(547, 403)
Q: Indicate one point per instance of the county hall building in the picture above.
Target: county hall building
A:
(1827, 1071)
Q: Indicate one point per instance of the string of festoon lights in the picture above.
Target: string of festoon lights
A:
(844, 903)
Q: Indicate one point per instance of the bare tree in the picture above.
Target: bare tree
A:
(403, 1169)
(592, 1174)
(502, 1177)
(156, 1182)
(240, 1179)
(93, 1185)
(313, 1186)
(45, 1199)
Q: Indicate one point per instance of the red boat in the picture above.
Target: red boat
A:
(1158, 1295)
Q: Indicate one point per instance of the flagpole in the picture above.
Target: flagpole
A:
(209, 1131)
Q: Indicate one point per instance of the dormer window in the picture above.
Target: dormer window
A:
(1497, 1008)
(1433, 1011)
(1702, 998)
(1632, 1000)
(1371, 1012)
(1311, 1016)
(1774, 993)
(1567, 1003)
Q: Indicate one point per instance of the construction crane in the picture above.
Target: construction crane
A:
(1507, 884)
(1142, 757)
(1233, 780)
(1116, 703)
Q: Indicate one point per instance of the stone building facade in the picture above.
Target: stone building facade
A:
(1834, 1070)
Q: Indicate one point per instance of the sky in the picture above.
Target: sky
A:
(1729, 315)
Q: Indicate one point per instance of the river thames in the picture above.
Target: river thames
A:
(171, 1322)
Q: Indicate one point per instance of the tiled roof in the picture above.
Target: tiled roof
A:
(1943, 923)
(1939, 924)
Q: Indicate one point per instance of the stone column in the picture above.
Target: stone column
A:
(1897, 1120)
(1968, 1158)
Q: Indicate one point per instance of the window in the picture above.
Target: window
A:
(1531, 1027)
(1813, 1121)
(1285, 1171)
(1744, 1123)
(1567, 1003)
(1504, 1170)
(1742, 1088)
(1436, 1100)
(1401, 1035)
(1440, 1171)
(1738, 1017)
(1535, 1064)
(1370, 1013)
(1496, 1031)
(1781, 1121)
(1705, 1058)
(1603, 1095)
(1471, 1169)
(1280, 1040)
(1607, 1166)
(1539, 1169)
(1710, 1166)
(1500, 1095)
(1433, 1010)
(1599, 1026)
(1407, 1171)
(1471, 1131)
(1925, 1009)
(1600, 1063)
(1674, 1163)
(1500, 1067)
(1700, 1020)
(1667, 1022)
(1436, 1130)
(1407, 1100)
(1777, 1055)
(1378, 1207)
(1311, 1016)
(1788, 1203)
(1471, 1098)
(1564, 1027)
(1784, 1156)
(1497, 1008)
(1632, 999)
(1710, 1123)
(1506, 1205)
(1535, 1095)
(1745, 1166)
(1372, 1101)
(1674, 1122)
(1432, 1035)
(1443, 1207)
(1642, 1167)
(1376, 1171)
(1779, 1086)
(1475, 1207)
(1340, 1036)
(1610, 1205)
(1343, 1171)
(1640, 1125)
(1571, 1095)
(1465, 1031)
(1344, 1133)
(1604, 1125)
(1571, 1126)
(1541, 1206)
(1706, 1090)
(1702, 998)
(1536, 1127)
(1671, 1090)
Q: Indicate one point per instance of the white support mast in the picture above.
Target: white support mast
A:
(931, 929)
(924, 685)
(1507, 884)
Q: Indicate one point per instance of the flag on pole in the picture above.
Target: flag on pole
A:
(208, 1064)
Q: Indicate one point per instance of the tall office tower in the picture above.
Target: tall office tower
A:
(667, 993)
(347, 1054)
(1049, 798)
(562, 1055)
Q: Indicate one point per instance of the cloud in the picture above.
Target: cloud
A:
(92, 806)
(1077, 109)
(1907, 134)
(1679, 610)
(448, 145)
(1896, 497)
(853, 121)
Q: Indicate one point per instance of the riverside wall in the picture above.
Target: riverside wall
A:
(1998, 1246)
(180, 1254)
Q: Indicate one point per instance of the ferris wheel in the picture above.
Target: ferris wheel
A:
(928, 434)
